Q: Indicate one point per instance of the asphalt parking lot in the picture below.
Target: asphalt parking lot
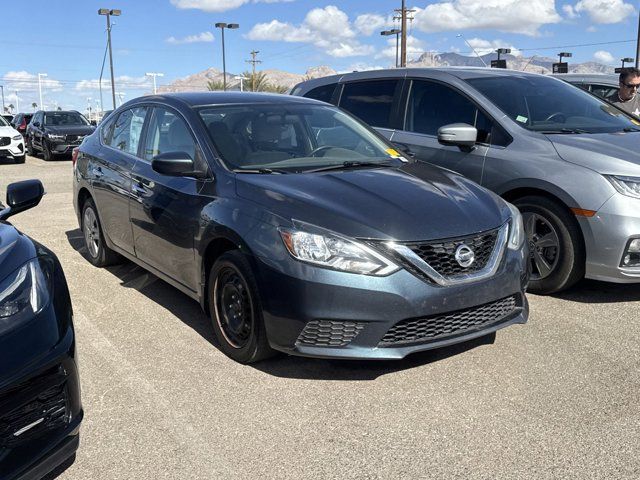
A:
(555, 398)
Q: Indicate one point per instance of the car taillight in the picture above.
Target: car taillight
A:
(23, 125)
(74, 156)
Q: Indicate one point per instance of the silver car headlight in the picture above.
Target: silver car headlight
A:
(326, 249)
(17, 137)
(516, 229)
(23, 294)
(629, 186)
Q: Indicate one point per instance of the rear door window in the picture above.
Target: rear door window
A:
(127, 130)
(323, 93)
(371, 101)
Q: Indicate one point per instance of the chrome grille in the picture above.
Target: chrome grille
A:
(418, 330)
(4, 141)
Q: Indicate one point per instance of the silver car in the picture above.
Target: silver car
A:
(569, 161)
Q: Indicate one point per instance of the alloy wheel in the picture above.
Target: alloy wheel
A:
(544, 245)
(91, 232)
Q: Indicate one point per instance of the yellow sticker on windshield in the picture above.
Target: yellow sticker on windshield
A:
(393, 153)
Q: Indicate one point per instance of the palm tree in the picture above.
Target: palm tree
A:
(34, 105)
(214, 85)
(259, 83)
(11, 107)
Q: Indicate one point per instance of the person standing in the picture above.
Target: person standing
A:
(627, 97)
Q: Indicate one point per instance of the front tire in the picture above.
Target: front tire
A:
(98, 253)
(557, 252)
(30, 150)
(236, 310)
(46, 152)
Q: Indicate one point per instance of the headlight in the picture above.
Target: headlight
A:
(516, 229)
(23, 294)
(326, 249)
(17, 137)
(54, 136)
(629, 186)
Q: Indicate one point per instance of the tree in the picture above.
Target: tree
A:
(214, 85)
(259, 83)
(34, 105)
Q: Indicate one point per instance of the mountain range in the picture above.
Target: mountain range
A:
(535, 64)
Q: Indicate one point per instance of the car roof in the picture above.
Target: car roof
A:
(607, 78)
(198, 99)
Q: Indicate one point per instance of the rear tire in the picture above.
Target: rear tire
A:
(98, 253)
(236, 310)
(557, 252)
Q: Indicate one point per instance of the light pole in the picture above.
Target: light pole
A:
(40, 75)
(17, 103)
(222, 26)
(626, 60)
(396, 32)
(154, 75)
(109, 13)
(242, 79)
(2, 88)
(474, 50)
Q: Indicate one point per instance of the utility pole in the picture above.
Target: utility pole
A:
(404, 15)
(253, 63)
(108, 13)
(154, 75)
(638, 43)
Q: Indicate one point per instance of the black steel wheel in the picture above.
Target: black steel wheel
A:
(556, 246)
(235, 309)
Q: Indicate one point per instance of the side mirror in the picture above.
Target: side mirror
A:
(175, 164)
(22, 196)
(459, 135)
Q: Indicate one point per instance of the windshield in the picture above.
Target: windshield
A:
(64, 118)
(291, 137)
(3, 122)
(545, 104)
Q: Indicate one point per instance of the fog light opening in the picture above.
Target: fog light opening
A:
(631, 256)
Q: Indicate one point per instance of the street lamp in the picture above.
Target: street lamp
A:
(222, 26)
(396, 32)
(562, 55)
(626, 60)
(154, 75)
(110, 13)
(3, 107)
(40, 75)
(242, 79)
(474, 50)
(17, 102)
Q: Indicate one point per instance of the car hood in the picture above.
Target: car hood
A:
(608, 153)
(8, 132)
(70, 129)
(15, 249)
(414, 202)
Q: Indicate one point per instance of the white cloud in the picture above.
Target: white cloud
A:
(362, 67)
(605, 57)
(369, 23)
(122, 82)
(591, 29)
(569, 11)
(217, 5)
(327, 28)
(483, 47)
(415, 48)
(605, 11)
(515, 16)
(204, 37)
(25, 81)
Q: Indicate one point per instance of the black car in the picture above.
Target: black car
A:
(298, 228)
(20, 122)
(56, 132)
(40, 409)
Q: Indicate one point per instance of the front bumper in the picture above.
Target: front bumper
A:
(14, 150)
(62, 148)
(606, 237)
(303, 306)
(40, 407)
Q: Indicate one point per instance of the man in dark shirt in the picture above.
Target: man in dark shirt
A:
(627, 97)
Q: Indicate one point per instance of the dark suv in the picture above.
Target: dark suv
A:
(298, 228)
(20, 122)
(56, 132)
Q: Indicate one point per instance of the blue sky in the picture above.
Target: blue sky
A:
(66, 38)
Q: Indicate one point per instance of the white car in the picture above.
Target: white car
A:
(11, 143)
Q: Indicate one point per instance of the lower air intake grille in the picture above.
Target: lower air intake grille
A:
(420, 329)
(328, 333)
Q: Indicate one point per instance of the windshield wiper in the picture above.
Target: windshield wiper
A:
(263, 171)
(565, 130)
(350, 164)
(630, 129)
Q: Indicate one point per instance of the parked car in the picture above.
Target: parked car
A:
(20, 122)
(7, 116)
(567, 160)
(56, 132)
(601, 84)
(298, 228)
(11, 143)
(40, 407)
